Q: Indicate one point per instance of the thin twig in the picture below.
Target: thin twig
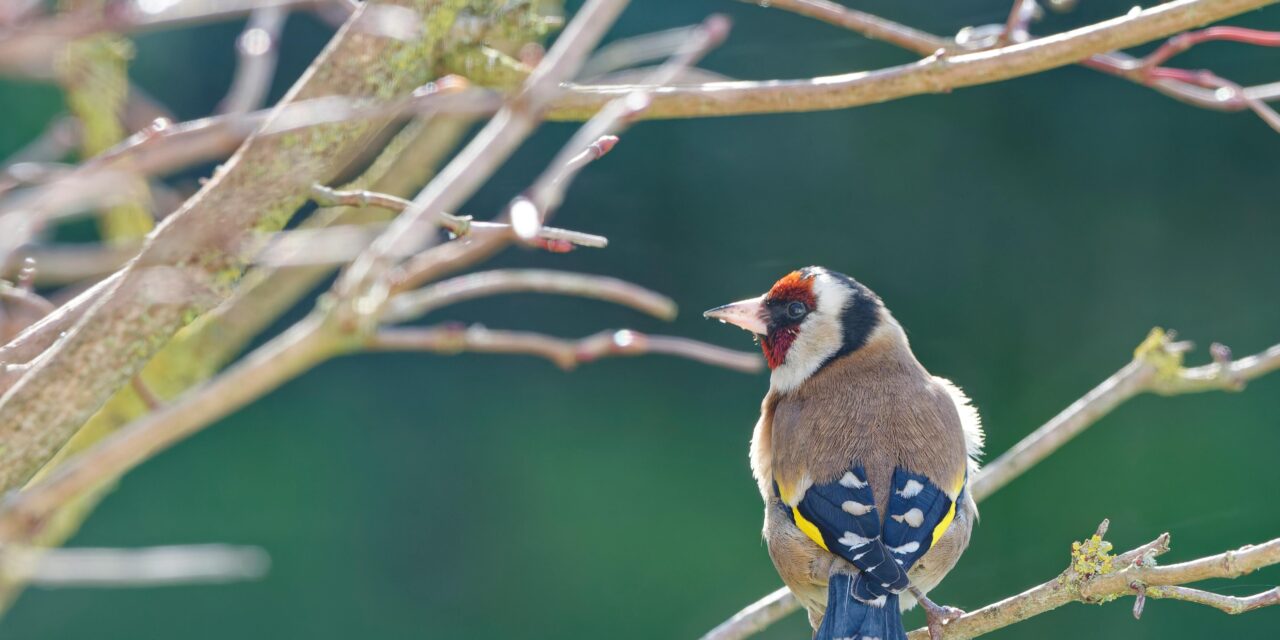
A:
(412, 304)
(166, 147)
(1017, 26)
(566, 354)
(1227, 604)
(1156, 367)
(146, 567)
(557, 240)
(29, 50)
(869, 25)
(590, 141)
(256, 49)
(412, 230)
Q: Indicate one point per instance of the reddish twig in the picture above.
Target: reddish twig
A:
(1184, 41)
(567, 354)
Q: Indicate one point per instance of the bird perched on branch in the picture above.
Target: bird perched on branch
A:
(862, 457)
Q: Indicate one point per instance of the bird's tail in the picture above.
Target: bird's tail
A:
(849, 618)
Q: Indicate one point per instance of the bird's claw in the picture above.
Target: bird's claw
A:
(936, 615)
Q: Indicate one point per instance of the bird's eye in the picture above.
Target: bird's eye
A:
(796, 310)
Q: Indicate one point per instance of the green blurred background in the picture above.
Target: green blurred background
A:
(1027, 234)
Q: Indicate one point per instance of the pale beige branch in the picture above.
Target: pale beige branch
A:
(556, 239)
(1156, 367)
(257, 50)
(364, 278)
(257, 190)
(30, 49)
(412, 304)
(145, 567)
(567, 354)
(1096, 576)
(931, 75)
(321, 335)
(591, 141)
(756, 617)
(1233, 605)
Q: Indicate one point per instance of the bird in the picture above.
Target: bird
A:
(862, 456)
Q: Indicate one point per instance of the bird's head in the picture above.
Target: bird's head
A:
(807, 319)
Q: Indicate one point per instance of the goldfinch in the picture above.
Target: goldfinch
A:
(861, 455)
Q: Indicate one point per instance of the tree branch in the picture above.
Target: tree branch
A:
(558, 240)
(566, 354)
(932, 75)
(1095, 576)
(1156, 367)
(420, 302)
(192, 261)
(1015, 30)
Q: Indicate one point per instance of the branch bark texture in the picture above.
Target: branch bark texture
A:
(194, 258)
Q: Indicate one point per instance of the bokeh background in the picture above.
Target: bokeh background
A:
(1027, 234)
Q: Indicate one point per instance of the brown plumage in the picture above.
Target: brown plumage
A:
(847, 391)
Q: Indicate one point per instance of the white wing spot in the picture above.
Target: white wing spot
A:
(852, 481)
(911, 490)
(910, 547)
(913, 518)
(853, 540)
(857, 508)
(877, 601)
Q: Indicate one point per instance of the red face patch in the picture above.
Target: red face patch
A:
(796, 286)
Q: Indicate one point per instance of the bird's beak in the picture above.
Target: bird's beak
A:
(748, 314)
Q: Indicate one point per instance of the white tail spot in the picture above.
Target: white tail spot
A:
(852, 481)
(911, 490)
(856, 508)
(913, 518)
(853, 540)
(910, 547)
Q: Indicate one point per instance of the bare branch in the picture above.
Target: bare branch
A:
(756, 617)
(558, 240)
(30, 49)
(147, 567)
(1096, 576)
(932, 75)
(869, 25)
(165, 147)
(1227, 604)
(413, 304)
(546, 193)
(479, 159)
(198, 260)
(1156, 367)
(566, 354)
(61, 264)
(1016, 28)
(256, 50)
(297, 349)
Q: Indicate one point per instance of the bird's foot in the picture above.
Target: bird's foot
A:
(937, 615)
